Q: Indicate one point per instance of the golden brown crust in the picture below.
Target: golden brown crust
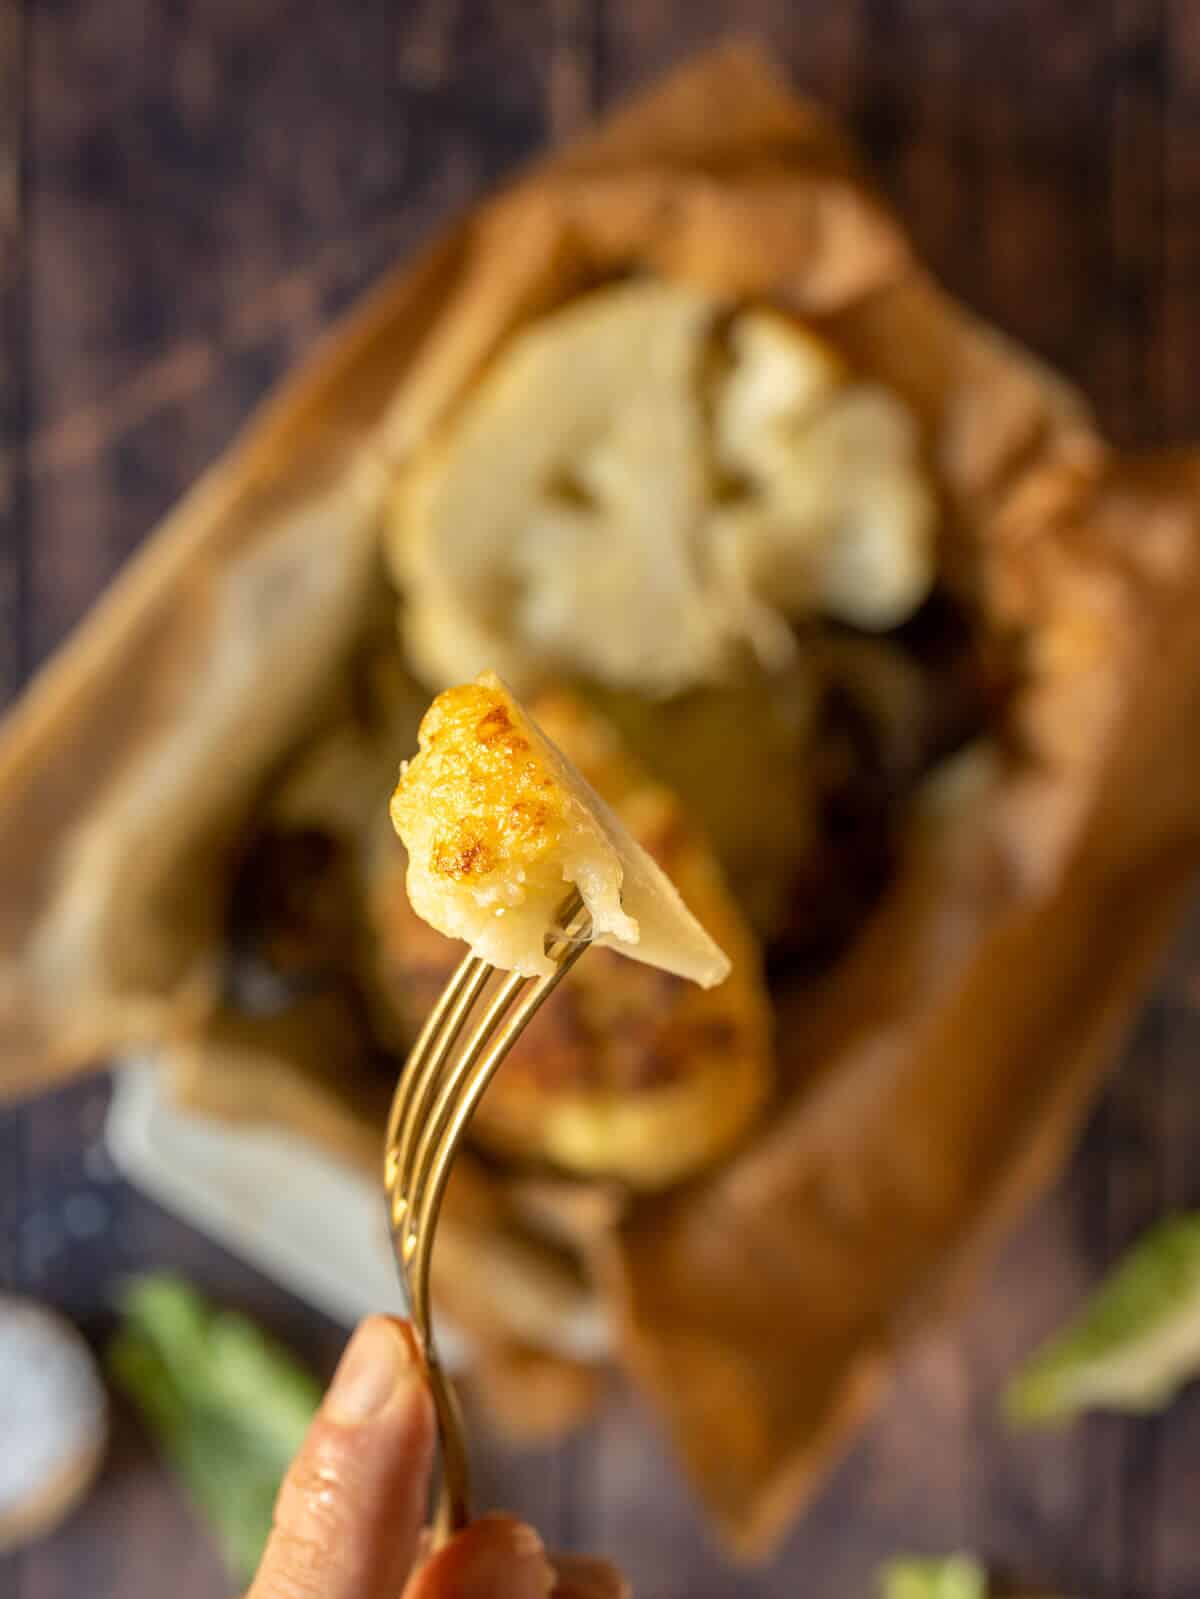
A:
(495, 808)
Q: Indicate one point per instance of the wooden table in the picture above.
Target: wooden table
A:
(188, 192)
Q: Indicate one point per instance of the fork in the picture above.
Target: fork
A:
(442, 1082)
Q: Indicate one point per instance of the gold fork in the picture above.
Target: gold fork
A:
(442, 1082)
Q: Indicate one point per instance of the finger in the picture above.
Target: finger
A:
(582, 1577)
(350, 1510)
(494, 1558)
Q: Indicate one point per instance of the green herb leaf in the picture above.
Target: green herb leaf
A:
(1133, 1346)
(228, 1406)
(949, 1577)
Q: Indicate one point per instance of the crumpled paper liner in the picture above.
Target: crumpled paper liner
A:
(937, 1077)
(946, 1065)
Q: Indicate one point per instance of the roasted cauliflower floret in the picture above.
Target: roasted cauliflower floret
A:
(628, 1071)
(498, 825)
(779, 377)
(839, 517)
(640, 485)
(556, 518)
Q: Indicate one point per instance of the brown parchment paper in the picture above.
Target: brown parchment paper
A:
(936, 1079)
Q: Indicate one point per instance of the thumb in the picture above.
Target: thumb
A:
(349, 1513)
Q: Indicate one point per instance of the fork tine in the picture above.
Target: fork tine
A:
(424, 1039)
(412, 1174)
(565, 939)
(422, 1070)
(411, 1112)
(471, 1091)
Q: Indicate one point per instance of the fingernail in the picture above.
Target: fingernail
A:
(377, 1365)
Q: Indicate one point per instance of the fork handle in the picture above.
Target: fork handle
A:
(453, 1510)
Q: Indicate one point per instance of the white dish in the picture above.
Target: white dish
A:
(313, 1224)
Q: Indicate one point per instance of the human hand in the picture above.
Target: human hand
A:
(348, 1520)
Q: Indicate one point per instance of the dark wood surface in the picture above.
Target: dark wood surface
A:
(189, 189)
